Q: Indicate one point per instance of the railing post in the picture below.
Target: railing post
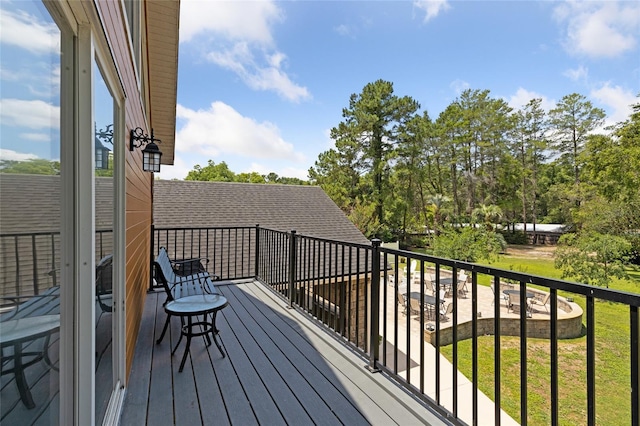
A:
(374, 307)
(152, 242)
(635, 368)
(257, 259)
(292, 266)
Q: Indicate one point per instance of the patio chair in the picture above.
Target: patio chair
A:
(177, 286)
(542, 301)
(443, 294)
(462, 289)
(402, 302)
(444, 312)
(514, 304)
(104, 283)
(501, 295)
(463, 277)
(415, 306)
(429, 287)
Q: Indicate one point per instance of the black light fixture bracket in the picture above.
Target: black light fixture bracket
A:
(151, 154)
(138, 135)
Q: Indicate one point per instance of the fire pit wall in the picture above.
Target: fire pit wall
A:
(569, 326)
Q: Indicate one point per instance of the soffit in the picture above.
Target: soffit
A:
(162, 25)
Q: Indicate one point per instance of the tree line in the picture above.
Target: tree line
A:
(395, 170)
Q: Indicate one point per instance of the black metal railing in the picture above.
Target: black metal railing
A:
(228, 252)
(352, 289)
(30, 262)
(339, 284)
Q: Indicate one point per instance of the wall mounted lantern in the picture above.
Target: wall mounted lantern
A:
(151, 153)
(103, 136)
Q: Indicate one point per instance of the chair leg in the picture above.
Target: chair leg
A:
(182, 334)
(164, 329)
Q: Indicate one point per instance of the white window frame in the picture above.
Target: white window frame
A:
(82, 42)
(110, 76)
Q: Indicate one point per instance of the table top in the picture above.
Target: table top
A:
(514, 291)
(427, 298)
(196, 304)
(28, 328)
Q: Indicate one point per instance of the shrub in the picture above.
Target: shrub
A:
(468, 244)
(515, 237)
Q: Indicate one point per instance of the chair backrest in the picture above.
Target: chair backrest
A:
(104, 282)
(514, 299)
(462, 277)
(442, 294)
(191, 285)
(429, 286)
(415, 305)
(545, 299)
(401, 300)
(164, 270)
(177, 286)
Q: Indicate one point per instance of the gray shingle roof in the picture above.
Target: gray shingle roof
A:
(307, 209)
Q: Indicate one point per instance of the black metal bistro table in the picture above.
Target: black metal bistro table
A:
(192, 306)
(427, 299)
(528, 295)
(17, 332)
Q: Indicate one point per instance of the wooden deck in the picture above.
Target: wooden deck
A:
(281, 368)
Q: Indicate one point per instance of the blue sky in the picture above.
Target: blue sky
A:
(261, 83)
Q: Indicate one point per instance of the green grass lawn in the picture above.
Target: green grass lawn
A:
(613, 398)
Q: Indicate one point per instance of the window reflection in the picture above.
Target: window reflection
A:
(30, 211)
(103, 144)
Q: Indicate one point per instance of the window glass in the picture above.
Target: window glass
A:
(103, 106)
(30, 212)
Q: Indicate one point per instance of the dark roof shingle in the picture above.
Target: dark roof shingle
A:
(306, 209)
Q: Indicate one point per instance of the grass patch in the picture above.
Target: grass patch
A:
(613, 395)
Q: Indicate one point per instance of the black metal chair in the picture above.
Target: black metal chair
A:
(28, 322)
(104, 283)
(181, 288)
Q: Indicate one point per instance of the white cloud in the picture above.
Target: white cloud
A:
(267, 75)
(10, 155)
(580, 74)
(599, 29)
(617, 100)
(343, 30)
(432, 8)
(238, 36)
(34, 114)
(459, 86)
(43, 37)
(523, 96)
(222, 130)
(182, 165)
(36, 137)
(235, 20)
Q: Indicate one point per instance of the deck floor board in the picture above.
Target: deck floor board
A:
(281, 368)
